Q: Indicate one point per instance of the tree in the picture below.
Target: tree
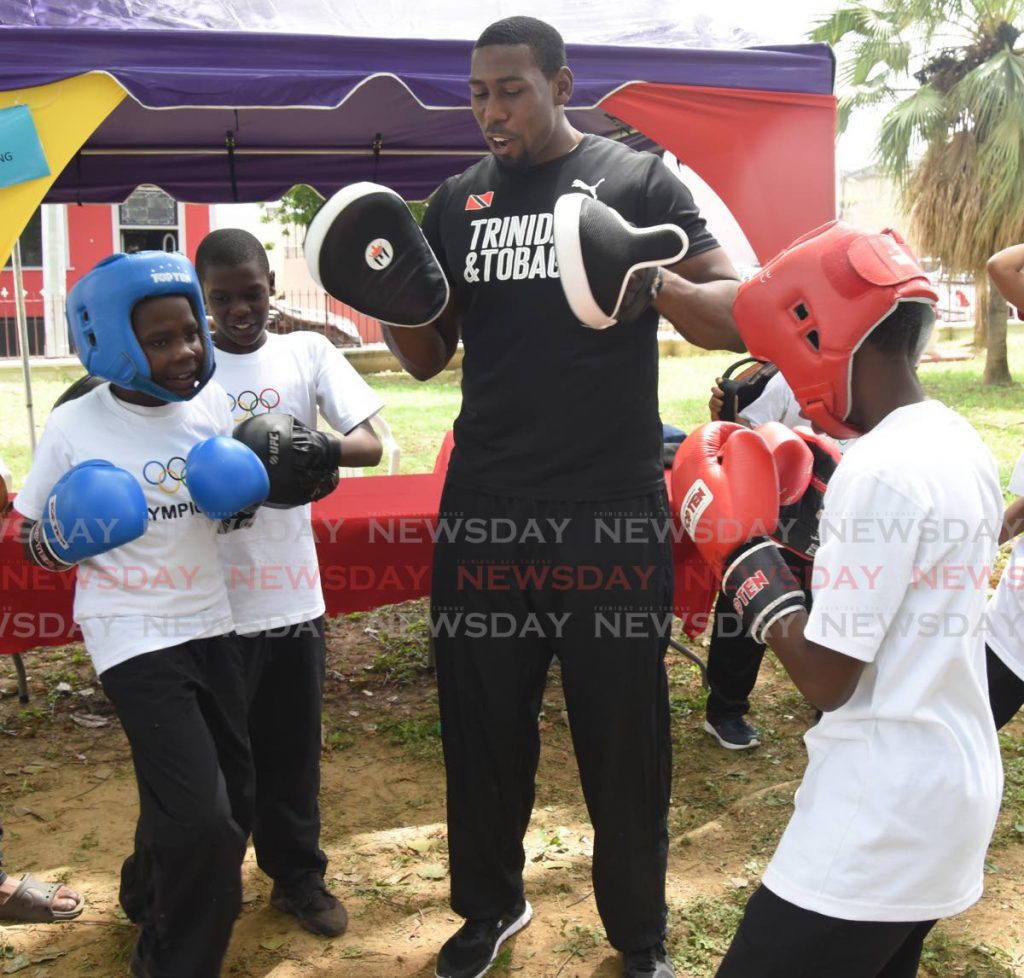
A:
(954, 144)
(297, 207)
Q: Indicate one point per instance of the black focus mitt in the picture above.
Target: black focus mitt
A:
(364, 248)
(302, 463)
(610, 271)
(742, 384)
(79, 388)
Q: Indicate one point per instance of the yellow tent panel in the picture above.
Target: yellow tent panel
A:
(66, 113)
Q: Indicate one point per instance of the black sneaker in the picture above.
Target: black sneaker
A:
(468, 953)
(651, 962)
(733, 733)
(316, 909)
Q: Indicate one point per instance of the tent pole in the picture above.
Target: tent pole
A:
(19, 306)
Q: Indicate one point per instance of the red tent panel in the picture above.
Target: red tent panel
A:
(745, 145)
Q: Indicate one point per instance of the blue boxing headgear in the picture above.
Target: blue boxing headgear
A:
(100, 308)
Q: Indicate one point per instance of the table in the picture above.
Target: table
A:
(375, 543)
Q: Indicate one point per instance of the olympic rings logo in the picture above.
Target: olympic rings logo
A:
(167, 478)
(248, 403)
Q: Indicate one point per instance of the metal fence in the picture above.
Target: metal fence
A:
(312, 310)
(38, 311)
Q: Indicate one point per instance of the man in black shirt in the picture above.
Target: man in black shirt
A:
(558, 455)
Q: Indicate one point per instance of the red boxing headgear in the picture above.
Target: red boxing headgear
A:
(810, 308)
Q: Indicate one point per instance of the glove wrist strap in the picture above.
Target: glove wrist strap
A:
(42, 554)
(761, 586)
(332, 449)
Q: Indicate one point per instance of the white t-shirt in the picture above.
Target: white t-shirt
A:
(166, 587)
(273, 575)
(778, 403)
(775, 403)
(1005, 614)
(903, 782)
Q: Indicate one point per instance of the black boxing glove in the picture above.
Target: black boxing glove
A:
(742, 384)
(302, 463)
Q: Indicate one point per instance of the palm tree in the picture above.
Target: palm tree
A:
(953, 143)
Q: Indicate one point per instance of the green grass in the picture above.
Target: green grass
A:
(701, 930)
(420, 413)
(420, 736)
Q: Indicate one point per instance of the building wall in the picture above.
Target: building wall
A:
(197, 227)
(91, 232)
(869, 200)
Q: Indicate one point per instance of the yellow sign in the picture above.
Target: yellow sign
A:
(66, 114)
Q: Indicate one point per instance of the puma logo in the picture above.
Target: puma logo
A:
(586, 186)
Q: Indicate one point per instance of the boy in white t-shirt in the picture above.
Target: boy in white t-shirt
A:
(897, 806)
(1004, 643)
(108, 491)
(1005, 615)
(272, 570)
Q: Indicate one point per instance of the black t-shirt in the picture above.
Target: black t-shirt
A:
(550, 408)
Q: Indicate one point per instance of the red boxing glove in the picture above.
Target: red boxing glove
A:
(798, 526)
(725, 478)
(793, 460)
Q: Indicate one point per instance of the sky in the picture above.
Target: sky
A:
(790, 21)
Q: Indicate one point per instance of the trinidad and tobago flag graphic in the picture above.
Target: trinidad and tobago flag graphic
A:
(478, 202)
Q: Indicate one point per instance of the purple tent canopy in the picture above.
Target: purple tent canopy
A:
(217, 115)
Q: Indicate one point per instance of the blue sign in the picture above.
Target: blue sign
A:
(21, 154)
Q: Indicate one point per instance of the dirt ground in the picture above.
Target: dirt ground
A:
(68, 801)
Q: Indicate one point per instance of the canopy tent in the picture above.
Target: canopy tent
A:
(223, 115)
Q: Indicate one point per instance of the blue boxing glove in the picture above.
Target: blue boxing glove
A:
(224, 477)
(94, 508)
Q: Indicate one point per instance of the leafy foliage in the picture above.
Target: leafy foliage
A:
(297, 208)
(952, 140)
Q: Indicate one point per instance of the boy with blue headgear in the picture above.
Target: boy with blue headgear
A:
(132, 482)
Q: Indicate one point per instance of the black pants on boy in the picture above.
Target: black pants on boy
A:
(284, 676)
(734, 658)
(3, 875)
(502, 607)
(1005, 689)
(777, 939)
(183, 711)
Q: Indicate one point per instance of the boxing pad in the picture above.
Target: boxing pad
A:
(364, 248)
(598, 252)
(302, 463)
(93, 508)
(725, 479)
(224, 477)
(742, 384)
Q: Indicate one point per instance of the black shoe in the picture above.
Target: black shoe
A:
(312, 905)
(468, 953)
(651, 962)
(733, 733)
